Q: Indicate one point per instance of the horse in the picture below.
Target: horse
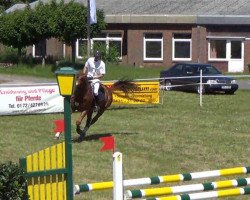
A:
(83, 100)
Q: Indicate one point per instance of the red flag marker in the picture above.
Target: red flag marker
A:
(108, 143)
(59, 125)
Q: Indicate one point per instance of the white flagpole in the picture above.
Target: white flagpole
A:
(201, 86)
(91, 20)
(88, 31)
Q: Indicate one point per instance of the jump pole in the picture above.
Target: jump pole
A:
(163, 179)
(152, 192)
(207, 195)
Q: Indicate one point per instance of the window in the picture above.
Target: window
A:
(153, 46)
(106, 40)
(217, 49)
(39, 49)
(182, 47)
(236, 47)
(81, 48)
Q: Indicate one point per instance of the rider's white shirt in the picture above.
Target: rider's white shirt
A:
(95, 68)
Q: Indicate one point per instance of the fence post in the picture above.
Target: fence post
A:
(117, 176)
(201, 88)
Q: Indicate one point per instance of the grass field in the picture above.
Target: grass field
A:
(177, 136)
(113, 71)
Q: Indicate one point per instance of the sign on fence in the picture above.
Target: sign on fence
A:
(146, 93)
(45, 98)
(30, 99)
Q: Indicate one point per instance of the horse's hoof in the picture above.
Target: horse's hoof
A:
(81, 137)
(79, 131)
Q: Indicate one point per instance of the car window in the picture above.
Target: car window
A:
(177, 70)
(209, 70)
(188, 70)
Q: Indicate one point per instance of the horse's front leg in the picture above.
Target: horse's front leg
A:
(79, 121)
(88, 121)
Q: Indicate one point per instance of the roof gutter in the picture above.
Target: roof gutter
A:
(151, 19)
(223, 19)
(179, 19)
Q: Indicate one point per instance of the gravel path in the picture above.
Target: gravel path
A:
(15, 79)
(244, 84)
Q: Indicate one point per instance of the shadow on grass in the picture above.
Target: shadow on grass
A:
(97, 136)
(132, 107)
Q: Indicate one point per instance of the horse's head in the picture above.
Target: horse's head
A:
(82, 80)
(81, 91)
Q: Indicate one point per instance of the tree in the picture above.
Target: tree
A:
(13, 31)
(67, 22)
(26, 27)
(71, 23)
(39, 23)
(5, 4)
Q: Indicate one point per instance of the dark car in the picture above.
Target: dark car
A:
(186, 77)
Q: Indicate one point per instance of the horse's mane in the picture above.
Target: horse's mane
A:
(82, 79)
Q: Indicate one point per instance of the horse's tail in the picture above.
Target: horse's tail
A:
(125, 86)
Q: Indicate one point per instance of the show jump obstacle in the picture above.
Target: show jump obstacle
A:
(49, 172)
(183, 190)
(130, 194)
(46, 173)
(165, 179)
(208, 195)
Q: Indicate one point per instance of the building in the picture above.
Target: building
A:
(163, 32)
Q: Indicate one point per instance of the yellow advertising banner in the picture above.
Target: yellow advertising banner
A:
(146, 93)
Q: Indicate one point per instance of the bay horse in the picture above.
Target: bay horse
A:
(83, 100)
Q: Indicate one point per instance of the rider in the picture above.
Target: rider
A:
(95, 70)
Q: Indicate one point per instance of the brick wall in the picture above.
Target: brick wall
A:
(247, 54)
(132, 50)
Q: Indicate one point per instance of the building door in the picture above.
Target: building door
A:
(236, 56)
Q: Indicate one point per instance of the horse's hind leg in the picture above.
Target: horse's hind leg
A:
(96, 117)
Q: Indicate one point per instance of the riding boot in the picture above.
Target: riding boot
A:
(97, 101)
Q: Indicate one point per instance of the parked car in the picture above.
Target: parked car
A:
(186, 77)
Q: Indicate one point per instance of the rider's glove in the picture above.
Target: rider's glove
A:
(90, 78)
